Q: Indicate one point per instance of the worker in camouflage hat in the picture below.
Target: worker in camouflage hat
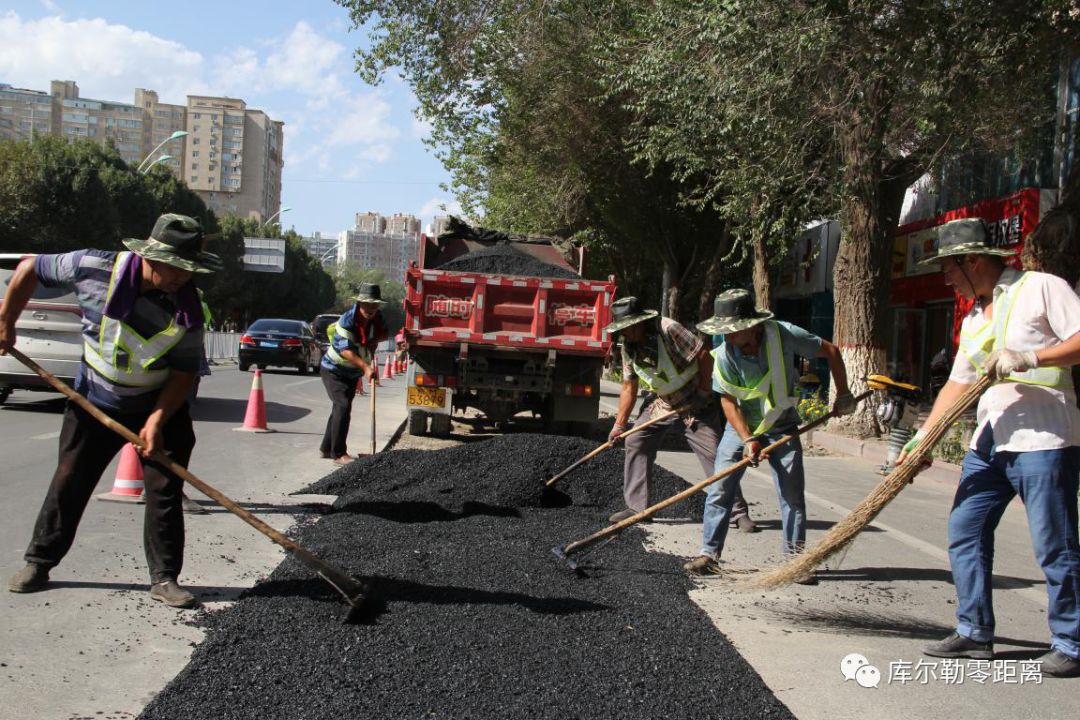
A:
(673, 365)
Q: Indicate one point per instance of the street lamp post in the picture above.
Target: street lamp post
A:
(160, 159)
(175, 136)
(271, 219)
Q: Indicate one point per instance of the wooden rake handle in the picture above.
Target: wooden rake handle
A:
(609, 444)
(347, 586)
(648, 512)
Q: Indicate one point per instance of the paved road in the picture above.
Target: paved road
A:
(889, 595)
(95, 642)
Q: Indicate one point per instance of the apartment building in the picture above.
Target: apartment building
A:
(230, 155)
(370, 222)
(389, 253)
(322, 246)
(401, 224)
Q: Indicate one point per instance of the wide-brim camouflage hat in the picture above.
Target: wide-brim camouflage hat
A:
(176, 240)
(369, 293)
(627, 312)
(733, 310)
(962, 237)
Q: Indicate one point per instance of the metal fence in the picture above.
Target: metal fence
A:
(222, 345)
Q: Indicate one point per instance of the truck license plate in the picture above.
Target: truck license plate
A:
(426, 397)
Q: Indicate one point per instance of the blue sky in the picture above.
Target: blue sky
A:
(349, 147)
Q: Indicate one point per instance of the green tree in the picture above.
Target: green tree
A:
(858, 98)
(533, 139)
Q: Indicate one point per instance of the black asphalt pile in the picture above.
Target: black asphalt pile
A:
(505, 260)
(506, 472)
(470, 616)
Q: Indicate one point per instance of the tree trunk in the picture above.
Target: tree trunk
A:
(710, 285)
(669, 293)
(762, 282)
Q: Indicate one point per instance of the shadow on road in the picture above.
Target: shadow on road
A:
(203, 592)
(895, 574)
(232, 410)
(53, 406)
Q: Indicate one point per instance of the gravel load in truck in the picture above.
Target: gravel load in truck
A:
(505, 260)
(469, 615)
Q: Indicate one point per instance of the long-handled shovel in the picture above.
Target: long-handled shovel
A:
(373, 386)
(565, 552)
(350, 588)
(609, 444)
(843, 532)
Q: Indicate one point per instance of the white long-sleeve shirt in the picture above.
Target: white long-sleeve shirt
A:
(1045, 312)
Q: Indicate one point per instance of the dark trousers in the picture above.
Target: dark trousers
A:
(341, 391)
(703, 435)
(86, 449)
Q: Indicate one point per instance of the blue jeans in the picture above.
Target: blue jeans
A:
(1046, 481)
(787, 467)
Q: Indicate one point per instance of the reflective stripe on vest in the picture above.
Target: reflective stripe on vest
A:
(131, 368)
(335, 356)
(771, 388)
(664, 379)
(991, 336)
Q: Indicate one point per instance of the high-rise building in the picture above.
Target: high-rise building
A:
(401, 224)
(382, 251)
(439, 225)
(231, 155)
(370, 222)
(323, 247)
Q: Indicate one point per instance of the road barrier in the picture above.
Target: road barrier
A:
(222, 345)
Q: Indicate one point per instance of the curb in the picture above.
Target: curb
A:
(876, 451)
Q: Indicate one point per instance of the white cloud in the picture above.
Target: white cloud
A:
(440, 206)
(107, 61)
(421, 129)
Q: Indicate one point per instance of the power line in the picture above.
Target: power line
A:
(362, 182)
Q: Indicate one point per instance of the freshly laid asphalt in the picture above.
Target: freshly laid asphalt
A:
(94, 645)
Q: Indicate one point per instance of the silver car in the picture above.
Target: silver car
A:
(49, 331)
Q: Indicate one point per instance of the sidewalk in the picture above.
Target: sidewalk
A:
(889, 594)
(885, 598)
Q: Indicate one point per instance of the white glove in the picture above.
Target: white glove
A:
(844, 405)
(1001, 364)
(616, 431)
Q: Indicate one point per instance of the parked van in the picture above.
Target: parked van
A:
(49, 332)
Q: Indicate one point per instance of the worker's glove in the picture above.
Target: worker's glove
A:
(909, 447)
(1000, 364)
(616, 431)
(844, 405)
(751, 451)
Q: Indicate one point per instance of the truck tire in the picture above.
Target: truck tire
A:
(5, 393)
(417, 424)
(440, 425)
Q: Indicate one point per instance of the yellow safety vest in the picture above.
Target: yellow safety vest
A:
(664, 379)
(122, 355)
(335, 356)
(991, 336)
(770, 389)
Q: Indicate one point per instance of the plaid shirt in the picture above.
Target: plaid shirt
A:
(682, 346)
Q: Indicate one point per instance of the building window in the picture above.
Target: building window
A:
(194, 166)
(194, 178)
(197, 116)
(195, 141)
(194, 153)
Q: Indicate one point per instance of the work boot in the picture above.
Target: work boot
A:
(170, 593)
(1057, 664)
(624, 514)
(702, 565)
(958, 646)
(191, 507)
(32, 578)
(745, 524)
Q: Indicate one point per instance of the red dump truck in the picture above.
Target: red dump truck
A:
(503, 343)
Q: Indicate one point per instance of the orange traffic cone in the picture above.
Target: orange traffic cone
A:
(387, 373)
(128, 485)
(255, 417)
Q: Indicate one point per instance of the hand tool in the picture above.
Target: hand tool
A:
(802, 565)
(373, 386)
(609, 444)
(352, 590)
(565, 552)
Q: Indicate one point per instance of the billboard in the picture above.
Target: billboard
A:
(264, 255)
